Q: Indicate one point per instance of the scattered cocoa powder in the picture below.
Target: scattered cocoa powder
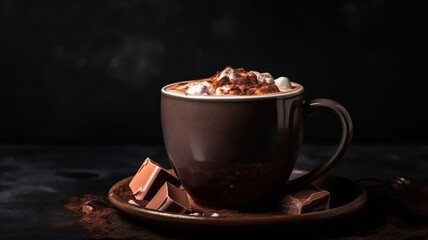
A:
(103, 221)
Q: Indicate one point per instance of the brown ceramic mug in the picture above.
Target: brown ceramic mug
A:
(232, 152)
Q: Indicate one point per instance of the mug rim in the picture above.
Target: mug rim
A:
(232, 97)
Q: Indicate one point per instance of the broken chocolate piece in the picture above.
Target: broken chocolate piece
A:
(149, 179)
(170, 199)
(306, 200)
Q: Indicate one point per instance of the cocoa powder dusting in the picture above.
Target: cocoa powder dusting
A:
(103, 221)
(246, 83)
(249, 80)
(221, 82)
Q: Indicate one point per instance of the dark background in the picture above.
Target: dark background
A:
(90, 72)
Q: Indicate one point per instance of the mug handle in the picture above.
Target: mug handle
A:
(347, 130)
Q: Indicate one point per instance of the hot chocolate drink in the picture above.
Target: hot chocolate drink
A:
(235, 82)
(234, 138)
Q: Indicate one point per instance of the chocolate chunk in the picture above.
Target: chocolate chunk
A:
(149, 179)
(307, 200)
(170, 199)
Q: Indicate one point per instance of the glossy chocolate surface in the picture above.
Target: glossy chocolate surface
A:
(149, 179)
(169, 198)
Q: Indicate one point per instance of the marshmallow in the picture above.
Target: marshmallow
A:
(222, 90)
(258, 75)
(263, 77)
(283, 83)
(228, 72)
(267, 77)
(196, 90)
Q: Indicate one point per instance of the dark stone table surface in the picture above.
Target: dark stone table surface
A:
(37, 181)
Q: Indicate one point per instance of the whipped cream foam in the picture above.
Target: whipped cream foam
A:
(231, 81)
